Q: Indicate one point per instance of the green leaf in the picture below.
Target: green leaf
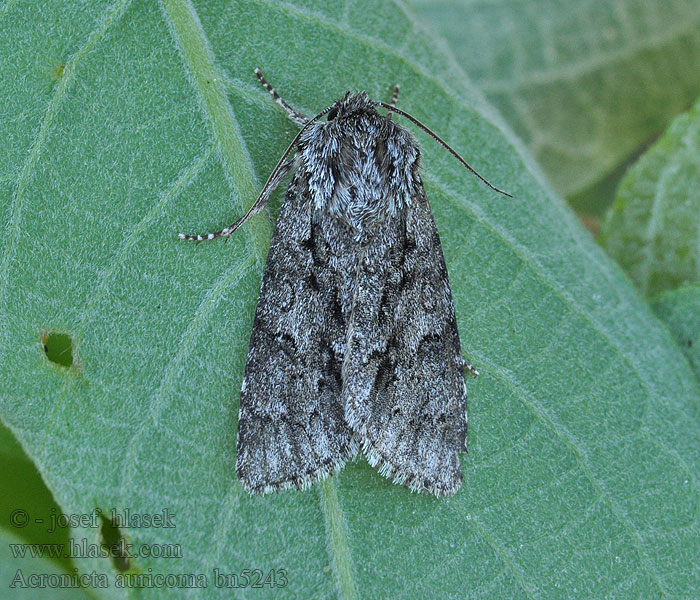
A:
(21, 488)
(581, 479)
(585, 84)
(29, 577)
(679, 309)
(653, 229)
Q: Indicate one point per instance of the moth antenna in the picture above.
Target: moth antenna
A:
(443, 143)
(272, 182)
(292, 113)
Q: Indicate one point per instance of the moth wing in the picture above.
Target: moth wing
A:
(404, 387)
(291, 428)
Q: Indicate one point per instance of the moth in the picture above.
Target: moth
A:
(354, 344)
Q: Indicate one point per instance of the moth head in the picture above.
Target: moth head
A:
(351, 104)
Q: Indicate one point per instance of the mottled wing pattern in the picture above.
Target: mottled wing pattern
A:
(291, 428)
(404, 390)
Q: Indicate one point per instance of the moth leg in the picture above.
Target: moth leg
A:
(469, 368)
(299, 118)
(395, 95)
(394, 98)
(272, 183)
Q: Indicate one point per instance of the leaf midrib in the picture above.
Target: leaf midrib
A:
(198, 56)
(199, 59)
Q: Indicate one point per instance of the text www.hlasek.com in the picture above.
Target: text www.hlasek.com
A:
(84, 549)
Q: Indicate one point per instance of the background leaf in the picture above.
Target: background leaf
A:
(680, 309)
(584, 82)
(20, 570)
(653, 229)
(22, 488)
(581, 479)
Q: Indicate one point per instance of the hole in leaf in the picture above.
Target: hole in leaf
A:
(114, 544)
(58, 348)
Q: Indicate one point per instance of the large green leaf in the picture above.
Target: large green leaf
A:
(583, 82)
(653, 229)
(22, 489)
(581, 479)
(28, 577)
(680, 310)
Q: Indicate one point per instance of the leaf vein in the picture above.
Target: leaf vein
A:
(228, 279)
(111, 16)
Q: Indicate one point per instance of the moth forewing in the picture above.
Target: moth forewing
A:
(354, 343)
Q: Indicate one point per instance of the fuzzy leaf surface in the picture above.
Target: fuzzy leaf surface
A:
(581, 478)
(584, 82)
